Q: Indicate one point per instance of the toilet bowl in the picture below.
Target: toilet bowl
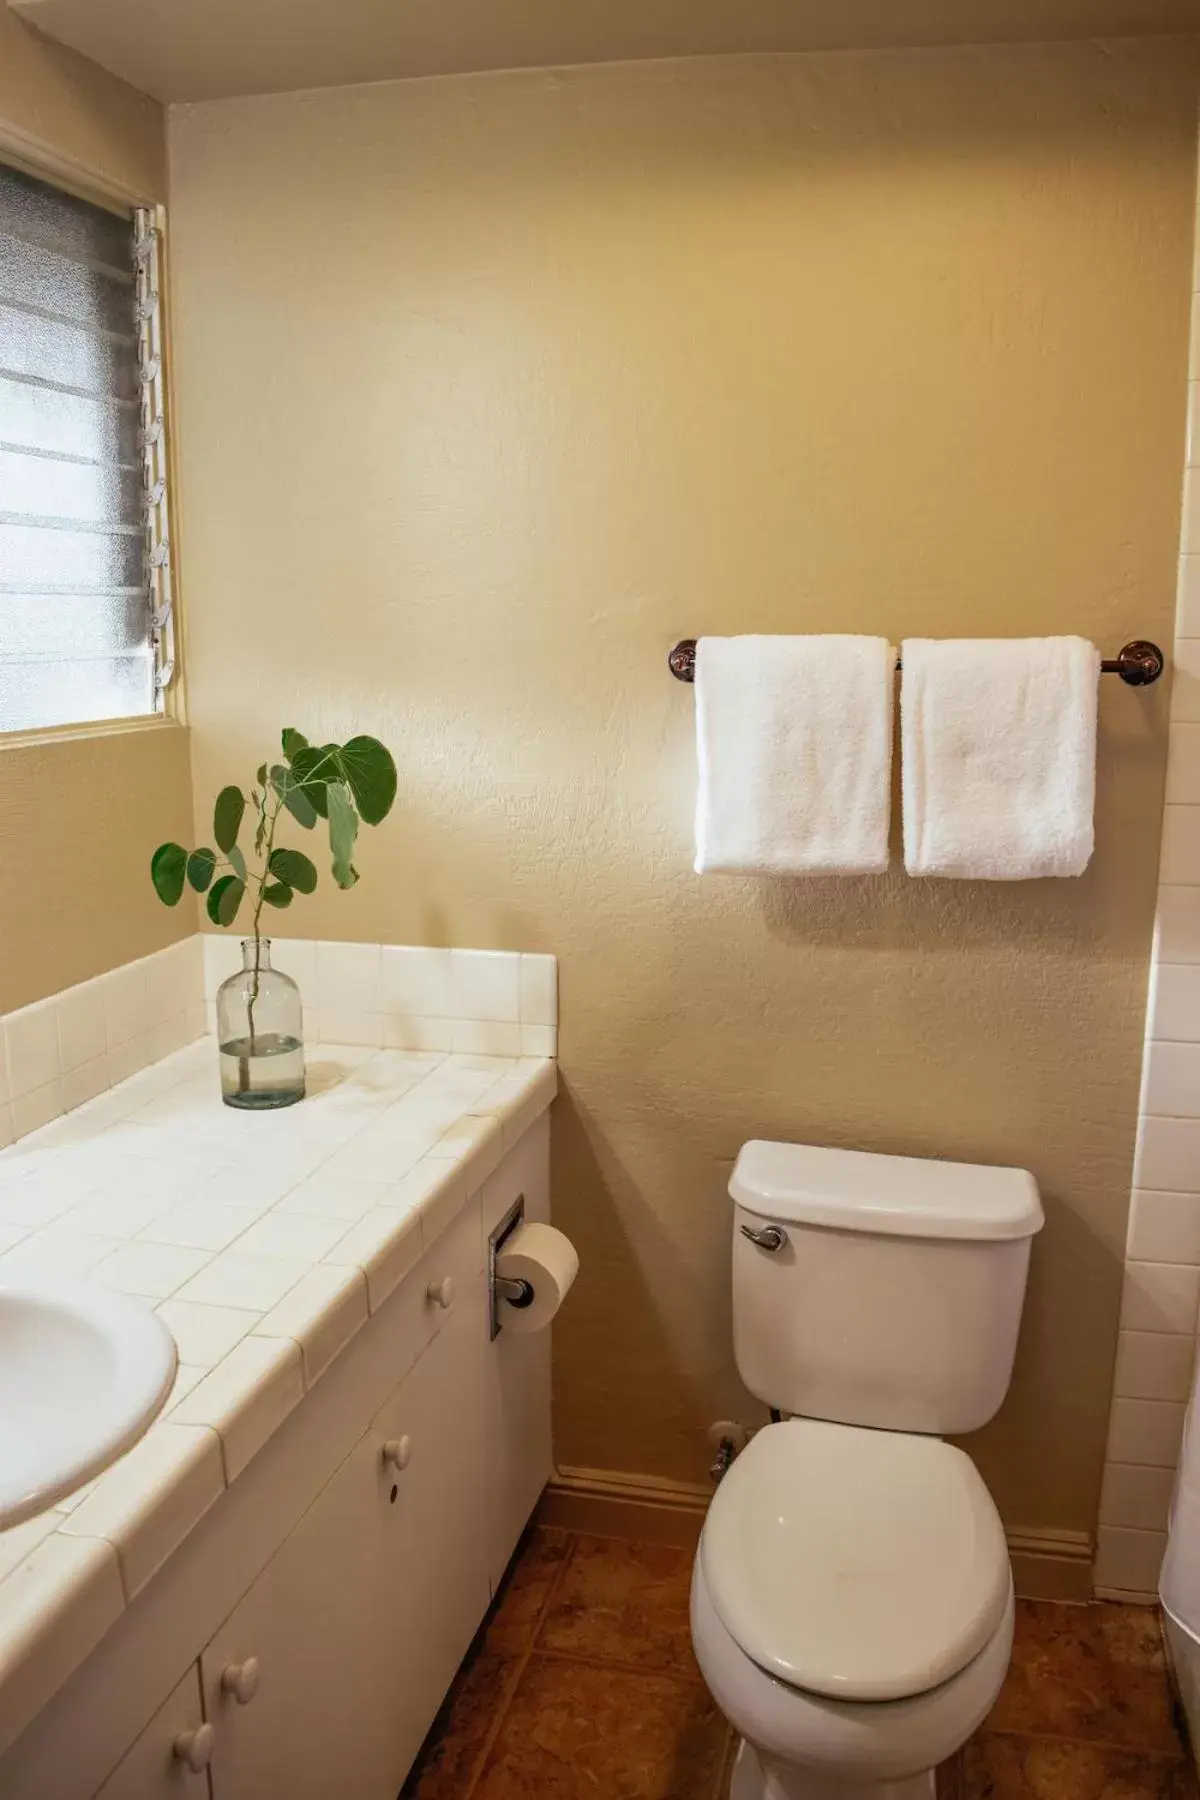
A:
(852, 1602)
(852, 1610)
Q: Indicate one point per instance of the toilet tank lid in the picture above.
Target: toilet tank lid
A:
(896, 1196)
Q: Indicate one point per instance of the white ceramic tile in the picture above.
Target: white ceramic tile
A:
(247, 1398)
(129, 1058)
(1190, 534)
(255, 1282)
(1168, 1155)
(1136, 1497)
(485, 984)
(475, 1145)
(487, 1037)
(539, 990)
(1193, 419)
(169, 1036)
(1188, 614)
(1183, 765)
(1153, 1366)
(1171, 1080)
(1148, 1432)
(148, 1502)
(436, 1191)
(1160, 1297)
(11, 1236)
(205, 1334)
(115, 1214)
(328, 1195)
(1179, 859)
(1185, 687)
(196, 1021)
(297, 957)
(31, 1048)
(1174, 1005)
(320, 1314)
(416, 981)
(405, 1031)
(19, 1541)
(127, 1010)
(58, 1603)
(385, 1245)
(198, 1224)
(81, 1033)
(83, 1084)
(1128, 1561)
(349, 979)
(292, 1235)
(186, 1378)
(1162, 1227)
(39, 1199)
(539, 1040)
(340, 1026)
(6, 1124)
(385, 1158)
(31, 1111)
(222, 958)
(156, 1271)
(3, 1067)
(57, 1252)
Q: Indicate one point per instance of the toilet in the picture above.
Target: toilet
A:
(852, 1602)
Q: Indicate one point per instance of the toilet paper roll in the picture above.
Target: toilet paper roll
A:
(549, 1262)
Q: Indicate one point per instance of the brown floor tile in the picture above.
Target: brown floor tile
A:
(623, 1603)
(996, 1767)
(453, 1751)
(1092, 1672)
(575, 1731)
(527, 1587)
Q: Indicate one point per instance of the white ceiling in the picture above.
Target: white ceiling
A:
(204, 49)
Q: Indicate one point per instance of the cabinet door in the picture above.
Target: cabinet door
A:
(436, 1570)
(154, 1769)
(327, 1675)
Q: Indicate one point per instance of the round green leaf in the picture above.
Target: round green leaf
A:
(295, 868)
(237, 862)
(168, 866)
(227, 817)
(371, 773)
(201, 866)
(292, 740)
(277, 893)
(314, 769)
(224, 898)
(343, 829)
(293, 796)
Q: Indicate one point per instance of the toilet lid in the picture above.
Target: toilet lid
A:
(862, 1565)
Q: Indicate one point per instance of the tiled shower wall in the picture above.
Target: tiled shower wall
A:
(1159, 1308)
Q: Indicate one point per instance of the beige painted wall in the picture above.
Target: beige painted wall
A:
(79, 816)
(489, 388)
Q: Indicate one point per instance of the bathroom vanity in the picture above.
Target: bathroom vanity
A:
(279, 1615)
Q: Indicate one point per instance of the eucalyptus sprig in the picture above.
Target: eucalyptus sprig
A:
(344, 784)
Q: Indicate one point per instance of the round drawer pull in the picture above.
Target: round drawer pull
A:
(241, 1680)
(195, 1748)
(397, 1451)
(441, 1292)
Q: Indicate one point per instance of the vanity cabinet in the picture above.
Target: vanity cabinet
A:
(311, 1623)
(331, 1669)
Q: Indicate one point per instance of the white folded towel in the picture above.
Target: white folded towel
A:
(998, 756)
(794, 739)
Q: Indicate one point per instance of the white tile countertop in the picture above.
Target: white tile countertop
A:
(264, 1241)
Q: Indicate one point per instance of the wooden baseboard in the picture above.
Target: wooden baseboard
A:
(1047, 1565)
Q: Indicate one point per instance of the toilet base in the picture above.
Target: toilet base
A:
(759, 1777)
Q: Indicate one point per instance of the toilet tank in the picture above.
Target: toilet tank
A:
(878, 1290)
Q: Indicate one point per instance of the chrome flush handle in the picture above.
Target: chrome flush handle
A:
(771, 1237)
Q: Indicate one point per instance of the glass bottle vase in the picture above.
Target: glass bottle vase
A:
(260, 1033)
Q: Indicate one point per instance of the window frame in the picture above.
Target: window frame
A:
(31, 157)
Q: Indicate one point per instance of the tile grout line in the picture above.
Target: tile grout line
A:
(522, 1663)
(1167, 1757)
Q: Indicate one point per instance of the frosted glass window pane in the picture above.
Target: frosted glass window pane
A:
(37, 694)
(75, 636)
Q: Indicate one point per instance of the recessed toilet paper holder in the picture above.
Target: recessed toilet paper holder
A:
(501, 1287)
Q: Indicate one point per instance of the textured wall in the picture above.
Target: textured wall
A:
(79, 816)
(489, 388)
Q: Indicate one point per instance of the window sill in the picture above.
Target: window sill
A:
(94, 728)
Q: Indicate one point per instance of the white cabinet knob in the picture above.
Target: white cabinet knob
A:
(397, 1451)
(441, 1292)
(241, 1680)
(195, 1748)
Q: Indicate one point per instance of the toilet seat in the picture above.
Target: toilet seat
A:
(858, 1565)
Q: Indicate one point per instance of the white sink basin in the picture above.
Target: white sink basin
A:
(83, 1373)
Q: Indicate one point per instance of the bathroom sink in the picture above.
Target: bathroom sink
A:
(83, 1373)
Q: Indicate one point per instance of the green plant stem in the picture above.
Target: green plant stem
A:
(261, 878)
